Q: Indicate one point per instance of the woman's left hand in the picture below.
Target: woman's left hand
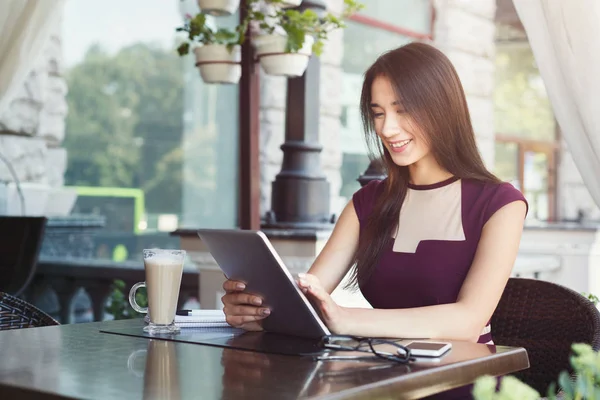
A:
(333, 315)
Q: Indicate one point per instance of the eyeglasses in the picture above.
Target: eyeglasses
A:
(365, 345)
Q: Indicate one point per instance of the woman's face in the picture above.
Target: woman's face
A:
(399, 134)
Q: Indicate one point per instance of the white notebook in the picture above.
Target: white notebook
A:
(202, 319)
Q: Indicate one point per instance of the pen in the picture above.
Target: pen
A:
(189, 313)
(201, 313)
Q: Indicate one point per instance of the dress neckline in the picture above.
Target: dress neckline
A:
(436, 185)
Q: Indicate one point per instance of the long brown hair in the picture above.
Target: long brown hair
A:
(430, 91)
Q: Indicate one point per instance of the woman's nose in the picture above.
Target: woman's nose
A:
(390, 127)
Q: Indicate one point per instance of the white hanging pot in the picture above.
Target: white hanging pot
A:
(219, 7)
(270, 51)
(290, 3)
(217, 64)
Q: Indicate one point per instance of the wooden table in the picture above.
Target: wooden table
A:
(78, 361)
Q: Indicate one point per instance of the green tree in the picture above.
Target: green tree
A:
(125, 122)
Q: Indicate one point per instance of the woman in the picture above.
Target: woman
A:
(434, 243)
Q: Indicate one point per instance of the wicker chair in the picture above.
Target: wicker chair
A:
(16, 314)
(545, 319)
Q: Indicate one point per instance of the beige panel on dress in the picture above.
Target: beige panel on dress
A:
(433, 214)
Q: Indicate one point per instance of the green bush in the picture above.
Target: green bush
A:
(585, 386)
(118, 303)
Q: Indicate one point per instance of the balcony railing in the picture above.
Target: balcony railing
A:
(59, 280)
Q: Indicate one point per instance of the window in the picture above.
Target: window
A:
(150, 146)
(381, 26)
(526, 138)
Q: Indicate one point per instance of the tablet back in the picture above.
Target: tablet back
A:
(249, 257)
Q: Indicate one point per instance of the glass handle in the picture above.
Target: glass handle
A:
(134, 304)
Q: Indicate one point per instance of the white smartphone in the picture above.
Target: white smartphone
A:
(429, 349)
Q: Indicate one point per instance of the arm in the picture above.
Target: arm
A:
(463, 320)
(334, 261)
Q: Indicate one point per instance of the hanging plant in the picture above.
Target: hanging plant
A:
(218, 51)
(219, 7)
(290, 3)
(286, 41)
(288, 37)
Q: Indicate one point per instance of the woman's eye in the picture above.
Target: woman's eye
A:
(400, 111)
(378, 115)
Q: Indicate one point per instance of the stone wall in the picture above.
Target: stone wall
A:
(33, 126)
(573, 197)
(465, 32)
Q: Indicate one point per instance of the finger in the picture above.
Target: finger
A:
(312, 279)
(233, 286)
(246, 310)
(241, 298)
(308, 282)
(254, 326)
(240, 321)
(312, 285)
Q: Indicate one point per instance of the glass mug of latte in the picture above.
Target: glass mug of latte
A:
(164, 269)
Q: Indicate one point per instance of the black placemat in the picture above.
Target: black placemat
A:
(239, 339)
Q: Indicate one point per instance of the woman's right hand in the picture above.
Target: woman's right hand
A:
(243, 310)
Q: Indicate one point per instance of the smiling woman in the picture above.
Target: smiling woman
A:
(431, 247)
(433, 244)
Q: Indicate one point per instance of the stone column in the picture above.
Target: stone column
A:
(273, 97)
(300, 192)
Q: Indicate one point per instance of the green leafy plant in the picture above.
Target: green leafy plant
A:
(585, 385)
(591, 297)
(510, 389)
(118, 304)
(298, 24)
(200, 31)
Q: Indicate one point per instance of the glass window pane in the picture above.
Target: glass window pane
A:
(150, 146)
(506, 163)
(414, 15)
(535, 175)
(363, 44)
(210, 149)
(521, 104)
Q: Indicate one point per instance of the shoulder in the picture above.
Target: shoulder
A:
(486, 198)
(364, 199)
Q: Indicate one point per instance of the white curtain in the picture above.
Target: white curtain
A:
(24, 29)
(565, 38)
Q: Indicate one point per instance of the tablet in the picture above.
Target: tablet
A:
(249, 257)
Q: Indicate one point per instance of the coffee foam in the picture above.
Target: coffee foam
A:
(164, 260)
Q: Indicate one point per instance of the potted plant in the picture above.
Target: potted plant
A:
(288, 37)
(583, 384)
(290, 3)
(218, 7)
(218, 51)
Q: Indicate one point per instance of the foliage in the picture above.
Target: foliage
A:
(125, 123)
(584, 386)
(294, 23)
(298, 24)
(200, 31)
(119, 306)
(592, 297)
(510, 389)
